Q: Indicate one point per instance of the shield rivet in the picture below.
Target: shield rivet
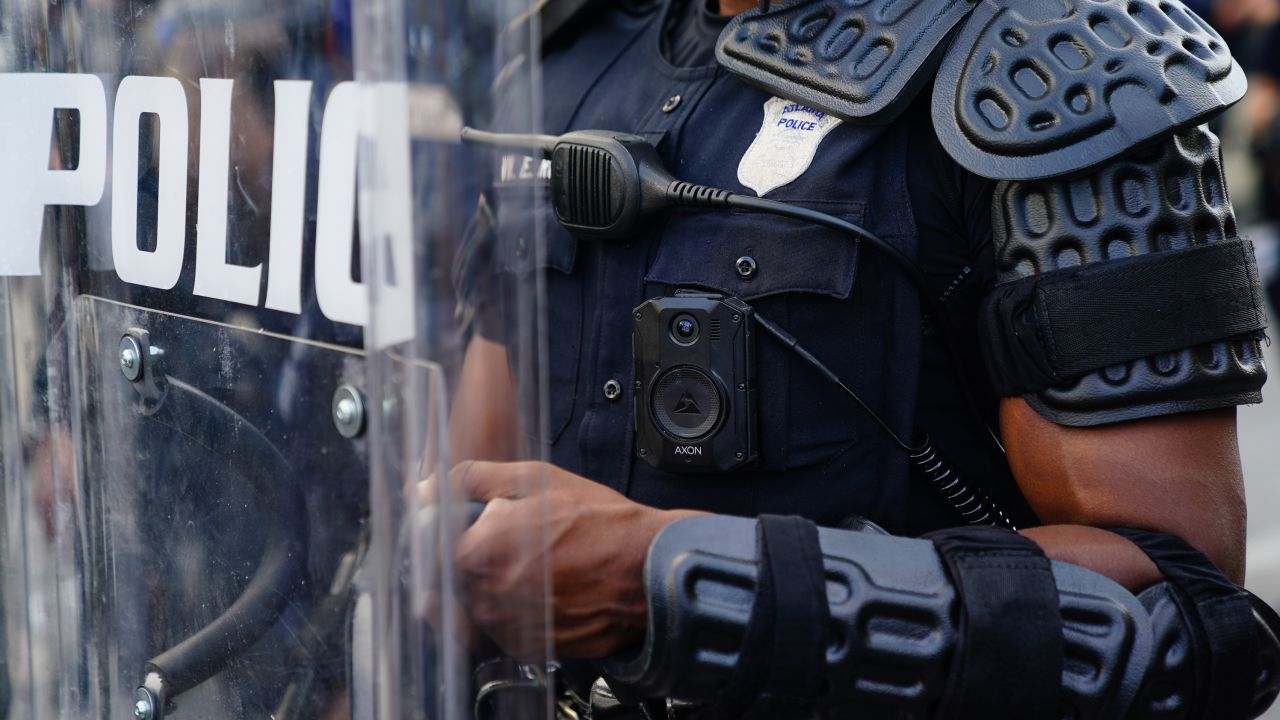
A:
(348, 411)
(130, 358)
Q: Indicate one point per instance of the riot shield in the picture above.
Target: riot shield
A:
(247, 272)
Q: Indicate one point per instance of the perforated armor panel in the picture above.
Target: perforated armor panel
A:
(1172, 196)
(862, 60)
(1042, 88)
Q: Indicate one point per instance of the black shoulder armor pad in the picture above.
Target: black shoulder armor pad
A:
(861, 61)
(1033, 89)
(1125, 293)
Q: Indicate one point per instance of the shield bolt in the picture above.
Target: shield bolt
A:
(130, 358)
(348, 411)
(144, 705)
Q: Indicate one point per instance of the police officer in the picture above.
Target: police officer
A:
(1045, 166)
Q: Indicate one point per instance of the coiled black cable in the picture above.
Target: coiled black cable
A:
(692, 195)
(972, 504)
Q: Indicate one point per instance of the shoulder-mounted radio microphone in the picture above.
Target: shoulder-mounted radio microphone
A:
(602, 183)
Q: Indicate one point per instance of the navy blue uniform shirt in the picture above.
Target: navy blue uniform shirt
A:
(652, 72)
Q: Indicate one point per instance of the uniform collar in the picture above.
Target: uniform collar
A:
(653, 45)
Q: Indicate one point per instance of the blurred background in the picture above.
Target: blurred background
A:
(1251, 142)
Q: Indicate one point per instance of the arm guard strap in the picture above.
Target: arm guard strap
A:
(1213, 637)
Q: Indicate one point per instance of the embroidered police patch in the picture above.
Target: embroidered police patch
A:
(785, 146)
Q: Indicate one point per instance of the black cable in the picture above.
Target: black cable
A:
(792, 344)
(692, 195)
(972, 505)
(795, 212)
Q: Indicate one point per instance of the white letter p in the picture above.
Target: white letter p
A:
(27, 185)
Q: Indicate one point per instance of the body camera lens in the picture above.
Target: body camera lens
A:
(684, 329)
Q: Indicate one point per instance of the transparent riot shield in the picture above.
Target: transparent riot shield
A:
(247, 272)
(455, 356)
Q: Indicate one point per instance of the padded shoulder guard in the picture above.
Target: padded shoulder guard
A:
(1125, 293)
(861, 61)
(1043, 88)
(1026, 89)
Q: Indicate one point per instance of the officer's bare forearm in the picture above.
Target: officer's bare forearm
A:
(1099, 550)
(482, 423)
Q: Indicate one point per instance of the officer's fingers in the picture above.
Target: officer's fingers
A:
(485, 481)
(483, 549)
(431, 487)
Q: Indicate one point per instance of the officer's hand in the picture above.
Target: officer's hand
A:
(542, 521)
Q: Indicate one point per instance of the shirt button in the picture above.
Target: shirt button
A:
(612, 390)
(672, 103)
(746, 267)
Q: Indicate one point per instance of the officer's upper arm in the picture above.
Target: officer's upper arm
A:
(1120, 392)
(1126, 321)
(1147, 440)
(1178, 474)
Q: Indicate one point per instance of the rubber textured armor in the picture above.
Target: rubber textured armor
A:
(1028, 89)
(1042, 88)
(861, 61)
(1168, 199)
(1165, 691)
(893, 631)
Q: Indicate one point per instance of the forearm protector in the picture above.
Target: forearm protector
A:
(781, 615)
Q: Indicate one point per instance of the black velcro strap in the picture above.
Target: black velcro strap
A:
(801, 614)
(1221, 616)
(785, 643)
(1010, 626)
(1045, 329)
